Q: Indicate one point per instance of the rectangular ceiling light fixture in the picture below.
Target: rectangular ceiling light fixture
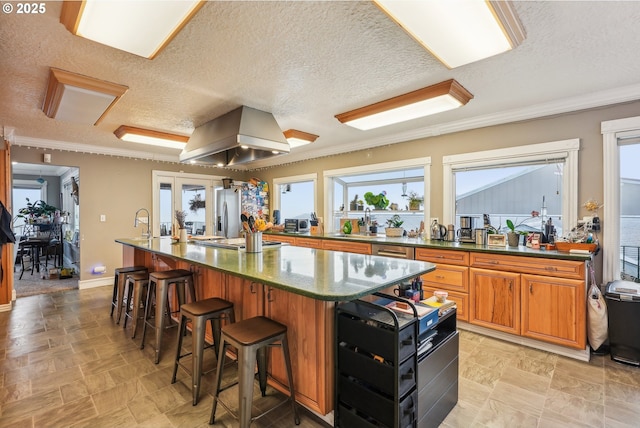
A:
(154, 138)
(458, 32)
(142, 28)
(76, 98)
(423, 102)
(297, 138)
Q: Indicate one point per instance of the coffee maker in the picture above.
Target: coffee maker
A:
(465, 233)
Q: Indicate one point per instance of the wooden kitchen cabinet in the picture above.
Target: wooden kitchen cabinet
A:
(349, 247)
(308, 242)
(451, 274)
(247, 297)
(531, 265)
(291, 240)
(309, 325)
(550, 312)
(495, 299)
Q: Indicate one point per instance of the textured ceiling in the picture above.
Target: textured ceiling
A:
(306, 61)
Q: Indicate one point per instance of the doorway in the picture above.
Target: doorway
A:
(46, 222)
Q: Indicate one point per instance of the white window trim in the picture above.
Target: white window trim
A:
(612, 130)
(158, 177)
(330, 174)
(294, 179)
(32, 184)
(567, 149)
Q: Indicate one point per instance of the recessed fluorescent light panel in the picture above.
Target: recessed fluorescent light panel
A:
(154, 138)
(297, 138)
(458, 32)
(423, 102)
(142, 28)
(81, 99)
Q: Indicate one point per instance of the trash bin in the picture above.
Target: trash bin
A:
(623, 306)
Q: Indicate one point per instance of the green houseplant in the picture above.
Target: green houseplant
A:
(379, 201)
(36, 210)
(513, 236)
(414, 201)
(394, 226)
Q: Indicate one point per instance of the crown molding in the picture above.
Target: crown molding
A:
(583, 102)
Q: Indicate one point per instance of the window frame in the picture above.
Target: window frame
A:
(277, 182)
(331, 174)
(613, 131)
(564, 149)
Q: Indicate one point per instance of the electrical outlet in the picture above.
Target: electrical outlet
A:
(434, 219)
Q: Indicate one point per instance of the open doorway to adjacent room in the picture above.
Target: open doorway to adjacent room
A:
(46, 222)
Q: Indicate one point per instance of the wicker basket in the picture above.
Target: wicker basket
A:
(568, 246)
(394, 232)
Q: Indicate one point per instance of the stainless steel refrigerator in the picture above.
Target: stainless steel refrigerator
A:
(227, 216)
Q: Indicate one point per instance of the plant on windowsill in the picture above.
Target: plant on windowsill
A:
(378, 202)
(394, 226)
(513, 236)
(414, 201)
(37, 211)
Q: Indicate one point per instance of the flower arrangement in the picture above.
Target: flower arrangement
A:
(181, 216)
(196, 203)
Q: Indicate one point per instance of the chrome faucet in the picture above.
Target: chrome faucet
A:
(367, 220)
(146, 234)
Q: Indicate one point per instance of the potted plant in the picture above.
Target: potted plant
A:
(379, 201)
(353, 205)
(36, 210)
(394, 226)
(513, 236)
(414, 201)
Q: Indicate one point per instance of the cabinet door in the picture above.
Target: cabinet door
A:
(349, 247)
(553, 310)
(495, 298)
(247, 297)
(309, 334)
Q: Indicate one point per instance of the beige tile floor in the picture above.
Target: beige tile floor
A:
(65, 363)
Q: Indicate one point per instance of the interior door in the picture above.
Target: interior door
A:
(194, 196)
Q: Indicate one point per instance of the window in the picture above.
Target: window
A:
(23, 190)
(346, 188)
(621, 148)
(526, 184)
(295, 196)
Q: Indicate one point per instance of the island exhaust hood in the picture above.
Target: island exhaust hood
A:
(240, 136)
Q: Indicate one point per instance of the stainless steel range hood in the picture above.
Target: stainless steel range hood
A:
(240, 136)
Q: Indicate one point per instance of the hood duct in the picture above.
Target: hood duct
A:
(240, 136)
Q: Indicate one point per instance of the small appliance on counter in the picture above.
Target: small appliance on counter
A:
(465, 233)
(294, 225)
(438, 231)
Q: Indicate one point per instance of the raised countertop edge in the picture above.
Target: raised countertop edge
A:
(444, 245)
(316, 280)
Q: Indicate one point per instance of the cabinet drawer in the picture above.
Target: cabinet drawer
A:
(349, 247)
(461, 299)
(291, 240)
(377, 406)
(379, 375)
(447, 277)
(431, 394)
(377, 340)
(308, 242)
(449, 257)
(531, 265)
(434, 363)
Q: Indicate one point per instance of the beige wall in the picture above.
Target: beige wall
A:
(117, 187)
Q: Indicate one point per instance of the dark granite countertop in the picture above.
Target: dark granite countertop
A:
(319, 274)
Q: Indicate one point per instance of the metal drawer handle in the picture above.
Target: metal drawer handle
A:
(551, 268)
(439, 277)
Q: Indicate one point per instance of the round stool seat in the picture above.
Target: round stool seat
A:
(254, 330)
(172, 274)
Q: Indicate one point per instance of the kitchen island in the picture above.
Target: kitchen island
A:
(295, 286)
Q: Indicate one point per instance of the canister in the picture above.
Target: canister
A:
(253, 242)
(481, 236)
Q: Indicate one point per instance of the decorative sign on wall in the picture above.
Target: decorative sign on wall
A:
(255, 198)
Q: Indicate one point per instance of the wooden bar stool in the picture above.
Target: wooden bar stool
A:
(159, 288)
(251, 338)
(136, 290)
(213, 310)
(118, 287)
